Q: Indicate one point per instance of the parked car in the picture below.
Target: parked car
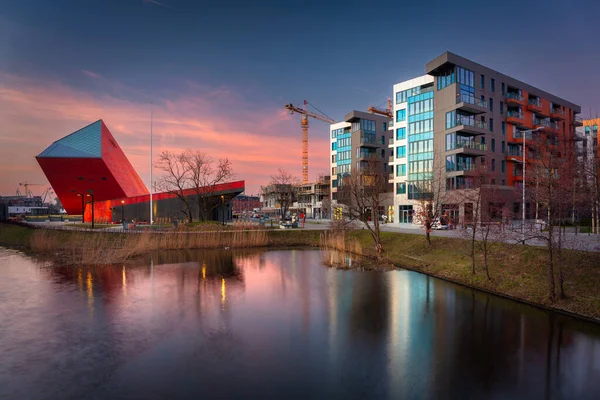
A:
(288, 223)
(440, 224)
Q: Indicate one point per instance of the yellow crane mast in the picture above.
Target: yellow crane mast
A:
(304, 123)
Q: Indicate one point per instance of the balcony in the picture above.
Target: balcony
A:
(557, 113)
(469, 147)
(547, 125)
(391, 159)
(515, 117)
(391, 176)
(512, 97)
(535, 105)
(471, 104)
(460, 167)
(469, 125)
(578, 121)
(391, 141)
(368, 140)
(366, 155)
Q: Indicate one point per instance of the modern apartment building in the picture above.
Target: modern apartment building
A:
(411, 146)
(354, 141)
(586, 142)
(462, 117)
(313, 198)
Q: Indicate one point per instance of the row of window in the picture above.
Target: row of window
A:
(422, 146)
(420, 106)
(420, 126)
(593, 129)
(402, 97)
(344, 142)
(421, 166)
(336, 132)
(343, 155)
(465, 76)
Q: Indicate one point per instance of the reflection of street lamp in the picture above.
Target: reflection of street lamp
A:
(122, 211)
(524, 162)
(223, 208)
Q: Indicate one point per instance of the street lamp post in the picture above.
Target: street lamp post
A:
(523, 133)
(122, 211)
(92, 196)
(223, 208)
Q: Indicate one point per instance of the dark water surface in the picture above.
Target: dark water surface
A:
(276, 324)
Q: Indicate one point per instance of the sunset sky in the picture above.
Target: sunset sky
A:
(219, 73)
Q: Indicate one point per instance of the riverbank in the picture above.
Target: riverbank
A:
(516, 271)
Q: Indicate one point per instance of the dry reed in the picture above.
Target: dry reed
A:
(104, 248)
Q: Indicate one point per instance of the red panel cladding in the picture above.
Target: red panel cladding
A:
(72, 176)
(119, 165)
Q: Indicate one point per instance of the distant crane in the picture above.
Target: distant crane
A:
(304, 123)
(46, 193)
(387, 112)
(26, 186)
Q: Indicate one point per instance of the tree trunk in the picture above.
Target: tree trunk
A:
(550, 271)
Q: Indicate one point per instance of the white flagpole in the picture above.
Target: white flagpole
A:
(151, 209)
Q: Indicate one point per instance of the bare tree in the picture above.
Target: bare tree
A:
(362, 193)
(283, 187)
(431, 195)
(204, 176)
(176, 178)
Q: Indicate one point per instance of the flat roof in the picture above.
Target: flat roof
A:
(451, 58)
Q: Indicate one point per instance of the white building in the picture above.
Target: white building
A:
(416, 151)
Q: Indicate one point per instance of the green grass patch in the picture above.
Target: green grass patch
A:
(14, 235)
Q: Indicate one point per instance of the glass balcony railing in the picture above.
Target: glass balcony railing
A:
(368, 139)
(545, 123)
(465, 98)
(515, 152)
(534, 102)
(515, 96)
(558, 111)
(470, 121)
(391, 140)
(468, 144)
(514, 114)
(460, 167)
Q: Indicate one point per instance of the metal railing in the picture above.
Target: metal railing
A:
(534, 102)
(558, 111)
(369, 139)
(515, 96)
(466, 98)
(469, 144)
(463, 120)
(514, 114)
(461, 167)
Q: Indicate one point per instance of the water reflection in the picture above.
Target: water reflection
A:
(278, 324)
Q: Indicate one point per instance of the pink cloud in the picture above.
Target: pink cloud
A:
(91, 74)
(215, 120)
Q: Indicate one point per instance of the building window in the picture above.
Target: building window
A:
(503, 182)
(503, 147)
(400, 133)
(493, 165)
(333, 158)
(334, 183)
(401, 188)
(332, 171)
(385, 126)
(595, 129)
(401, 170)
(464, 76)
(503, 88)
(503, 165)
(501, 108)
(482, 81)
(446, 78)
(491, 124)
(492, 84)
(491, 103)
(401, 115)
(587, 130)
(503, 128)
(400, 151)
(493, 145)
(334, 146)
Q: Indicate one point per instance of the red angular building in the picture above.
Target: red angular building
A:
(89, 166)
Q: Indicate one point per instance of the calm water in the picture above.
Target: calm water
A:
(276, 325)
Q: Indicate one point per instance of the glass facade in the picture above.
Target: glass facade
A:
(420, 144)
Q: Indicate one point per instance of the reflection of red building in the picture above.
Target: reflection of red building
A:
(89, 165)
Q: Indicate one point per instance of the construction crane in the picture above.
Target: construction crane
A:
(46, 193)
(304, 123)
(387, 112)
(26, 186)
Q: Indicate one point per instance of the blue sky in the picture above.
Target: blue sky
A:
(339, 55)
